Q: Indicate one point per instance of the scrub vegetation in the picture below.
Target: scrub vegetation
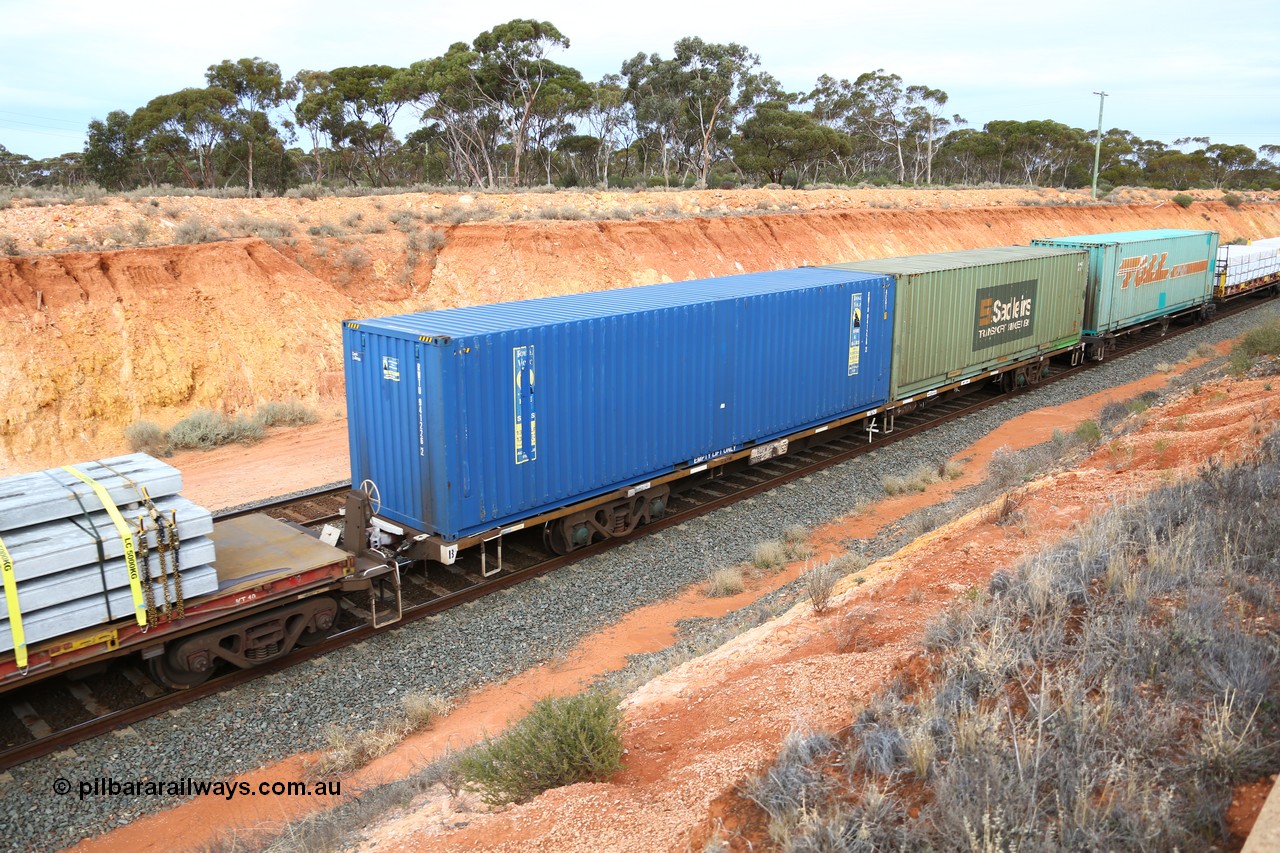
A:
(204, 429)
(1108, 694)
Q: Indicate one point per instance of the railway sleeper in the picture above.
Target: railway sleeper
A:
(190, 661)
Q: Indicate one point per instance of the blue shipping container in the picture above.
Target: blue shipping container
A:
(473, 418)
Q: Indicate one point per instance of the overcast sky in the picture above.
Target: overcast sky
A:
(1171, 69)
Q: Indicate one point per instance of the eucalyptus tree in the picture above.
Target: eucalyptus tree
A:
(655, 90)
(776, 140)
(611, 119)
(446, 93)
(111, 151)
(184, 125)
(720, 85)
(502, 89)
(521, 84)
(259, 89)
(319, 110)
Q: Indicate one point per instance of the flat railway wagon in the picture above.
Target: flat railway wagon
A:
(1246, 269)
(968, 316)
(1142, 278)
(271, 586)
(577, 412)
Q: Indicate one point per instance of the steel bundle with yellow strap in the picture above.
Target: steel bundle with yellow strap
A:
(126, 538)
(15, 610)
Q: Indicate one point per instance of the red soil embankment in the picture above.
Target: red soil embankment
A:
(97, 340)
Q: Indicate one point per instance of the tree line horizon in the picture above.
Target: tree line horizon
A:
(501, 112)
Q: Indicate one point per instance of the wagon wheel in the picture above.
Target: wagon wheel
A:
(175, 678)
(553, 538)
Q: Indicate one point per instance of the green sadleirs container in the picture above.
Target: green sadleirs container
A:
(1136, 276)
(961, 314)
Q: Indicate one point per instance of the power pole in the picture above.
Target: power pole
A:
(1097, 145)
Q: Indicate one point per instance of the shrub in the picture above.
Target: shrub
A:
(146, 437)
(253, 226)
(140, 230)
(431, 240)
(1088, 431)
(563, 212)
(196, 230)
(324, 229)
(1232, 200)
(795, 534)
(355, 258)
(1183, 200)
(204, 429)
(561, 741)
(1263, 339)
(917, 480)
(725, 582)
(290, 413)
(818, 586)
(847, 564)
(8, 245)
(421, 710)
(769, 555)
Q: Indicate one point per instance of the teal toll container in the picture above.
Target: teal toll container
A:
(1140, 276)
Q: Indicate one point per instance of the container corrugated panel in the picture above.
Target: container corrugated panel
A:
(474, 418)
(1140, 275)
(960, 314)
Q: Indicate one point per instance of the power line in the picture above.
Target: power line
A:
(42, 118)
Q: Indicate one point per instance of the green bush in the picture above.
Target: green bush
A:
(203, 429)
(1183, 200)
(291, 413)
(1088, 431)
(560, 742)
(1232, 200)
(8, 245)
(1261, 340)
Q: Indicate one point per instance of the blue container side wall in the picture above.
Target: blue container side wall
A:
(617, 399)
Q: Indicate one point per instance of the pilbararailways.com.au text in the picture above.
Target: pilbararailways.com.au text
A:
(107, 786)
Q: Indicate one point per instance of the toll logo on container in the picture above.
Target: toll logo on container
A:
(1003, 313)
(1149, 269)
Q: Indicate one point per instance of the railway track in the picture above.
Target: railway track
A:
(55, 714)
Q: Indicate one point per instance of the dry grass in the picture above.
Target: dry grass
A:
(725, 582)
(919, 479)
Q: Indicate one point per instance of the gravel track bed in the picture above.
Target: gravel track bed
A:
(493, 639)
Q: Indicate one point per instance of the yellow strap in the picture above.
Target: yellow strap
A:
(130, 557)
(15, 612)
